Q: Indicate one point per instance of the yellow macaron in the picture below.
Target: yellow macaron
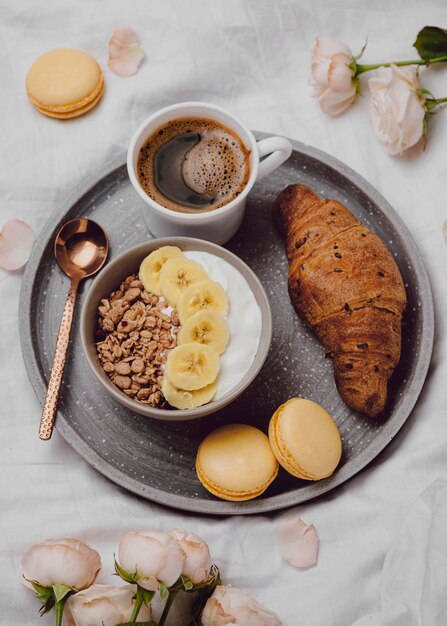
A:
(305, 439)
(65, 83)
(236, 462)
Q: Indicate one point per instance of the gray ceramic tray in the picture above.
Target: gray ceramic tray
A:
(156, 459)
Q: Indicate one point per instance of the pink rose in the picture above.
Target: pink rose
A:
(68, 562)
(229, 605)
(397, 108)
(104, 604)
(334, 81)
(155, 556)
(197, 563)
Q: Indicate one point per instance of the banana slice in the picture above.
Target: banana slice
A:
(177, 275)
(192, 366)
(206, 294)
(182, 399)
(205, 327)
(152, 264)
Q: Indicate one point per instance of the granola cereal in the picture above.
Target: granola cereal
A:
(134, 333)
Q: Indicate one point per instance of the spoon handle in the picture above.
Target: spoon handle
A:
(48, 416)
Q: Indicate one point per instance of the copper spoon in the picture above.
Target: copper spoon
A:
(80, 249)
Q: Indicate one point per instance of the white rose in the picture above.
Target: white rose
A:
(68, 562)
(154, 555)
(397, 110)
(197, 556)
(229, 605)
(104, 604)
(334, 82)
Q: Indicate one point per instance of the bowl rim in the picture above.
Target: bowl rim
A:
(190, 243)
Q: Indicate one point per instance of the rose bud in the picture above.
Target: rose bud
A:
(197, 562)
(153, 556)
(229, 605)
(67, 562)
(397, 107)
(333, 73)
(104, 604)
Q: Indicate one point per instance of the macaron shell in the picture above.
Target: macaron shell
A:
(285, 459)
(236, 462)
(305, 439)
(74, 111)
(63, 77)
(226, 494)
(291, 466)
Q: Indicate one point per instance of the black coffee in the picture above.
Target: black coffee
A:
(193, 164)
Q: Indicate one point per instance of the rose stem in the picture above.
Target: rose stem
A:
(59, 606)
(431, 104)
(137, 606)
(366, 68)
(169, 603)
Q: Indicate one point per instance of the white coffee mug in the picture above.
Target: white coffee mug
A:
(217, 225)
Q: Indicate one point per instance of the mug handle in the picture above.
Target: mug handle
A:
(278, 148)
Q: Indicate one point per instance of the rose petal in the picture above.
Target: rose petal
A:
(125, 36)
(328, 46)
(104, 604)
(66, 561)
(125, 54)
(397, 109)
(298, 542)
(16, 241)
(250, 616)
(229, 605)
(154, 555)
(197, 562)
(333, 79)
(214, 613)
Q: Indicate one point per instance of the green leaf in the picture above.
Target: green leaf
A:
(360, 54)
(60, 591)
(164, 591)
(431, 42)
(129, 578)
(187, 583)
(147, 596)
(39, 589)
(43, 593)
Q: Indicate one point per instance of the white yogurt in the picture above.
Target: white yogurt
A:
(243, 319)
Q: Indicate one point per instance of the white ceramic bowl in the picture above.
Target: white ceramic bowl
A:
(128, 263)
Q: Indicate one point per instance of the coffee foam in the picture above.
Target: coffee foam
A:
(217, 166)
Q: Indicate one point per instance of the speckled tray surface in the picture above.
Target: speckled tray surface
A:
(156, 459)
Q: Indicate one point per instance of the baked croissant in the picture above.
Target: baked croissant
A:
(344, 283)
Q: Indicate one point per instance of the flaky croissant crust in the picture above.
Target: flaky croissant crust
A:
(344, 283)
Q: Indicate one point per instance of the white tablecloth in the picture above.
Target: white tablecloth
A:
(251, 57)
